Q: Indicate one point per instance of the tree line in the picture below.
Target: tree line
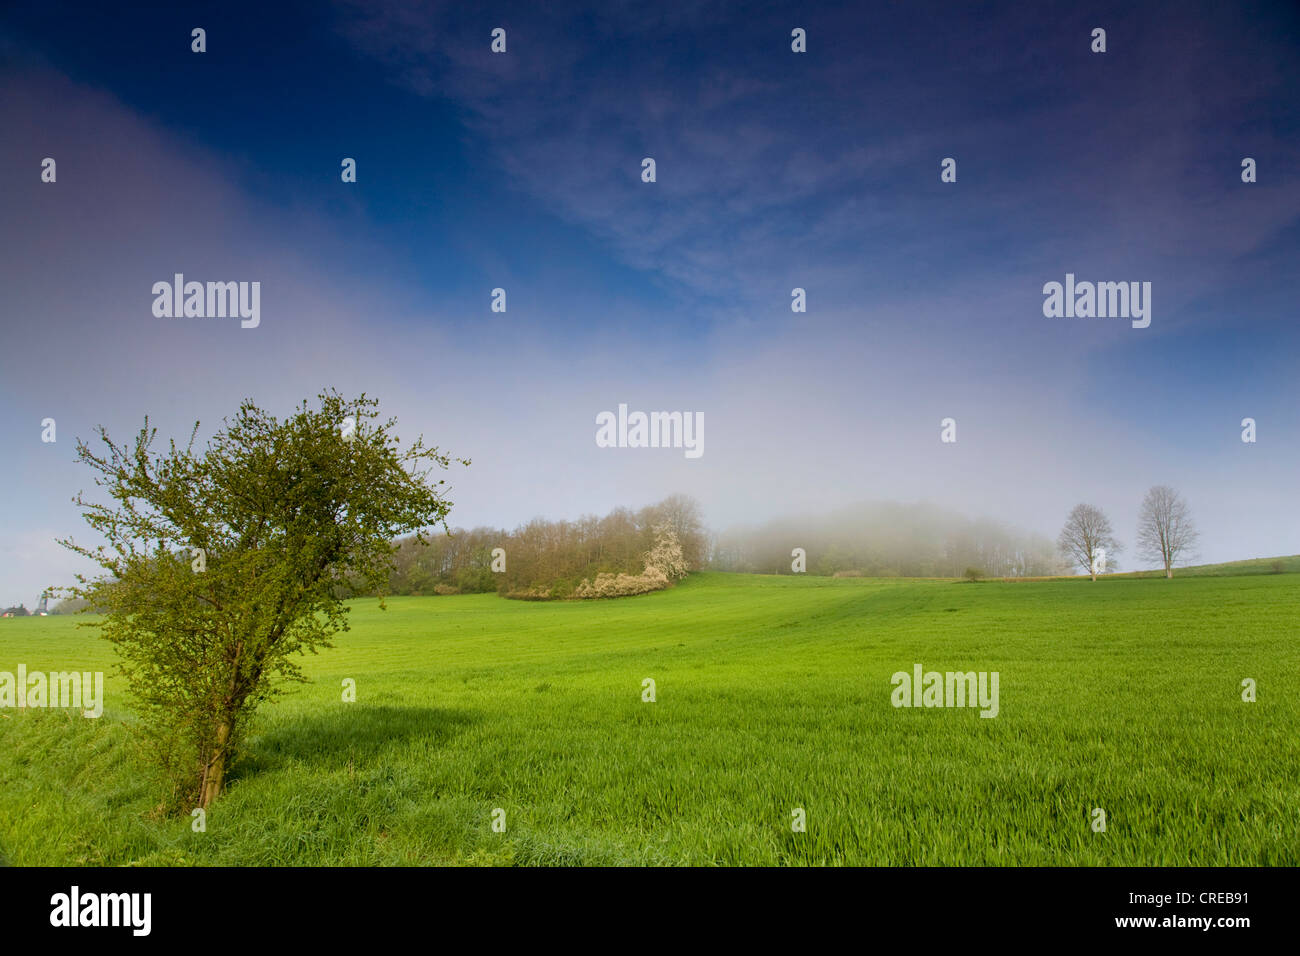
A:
(552, 559)
(559, 559)
(886, 540)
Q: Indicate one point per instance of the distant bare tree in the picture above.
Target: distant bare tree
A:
(1165, 530)
(1087, 538)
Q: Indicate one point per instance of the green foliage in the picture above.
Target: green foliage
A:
(226, 564)
(973, 574)
(773, 693)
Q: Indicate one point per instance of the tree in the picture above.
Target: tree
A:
(682, 515)
(664, 564)
(666, 556)
(226, 564)
(1087, 539)
(1165, 530)
(70, 606)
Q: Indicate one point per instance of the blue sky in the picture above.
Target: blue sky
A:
(774, 170)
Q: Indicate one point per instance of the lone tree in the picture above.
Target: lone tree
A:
(1165, 530)
(224, 565)
(1087, 539)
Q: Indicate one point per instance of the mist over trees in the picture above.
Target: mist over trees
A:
(584, 558)
(887, 540)
(70, 606)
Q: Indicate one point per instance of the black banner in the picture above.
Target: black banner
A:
(329, 906)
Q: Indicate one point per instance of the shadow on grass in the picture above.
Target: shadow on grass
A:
(351, 735)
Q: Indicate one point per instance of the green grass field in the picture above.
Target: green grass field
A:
(773, 693)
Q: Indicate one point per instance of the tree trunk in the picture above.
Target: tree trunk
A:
(214, 774)
(1094, 575)
(1169, 572)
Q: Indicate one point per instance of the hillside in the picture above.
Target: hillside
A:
(773, 694)
(1289, 564)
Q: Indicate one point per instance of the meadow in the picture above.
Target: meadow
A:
(772, 694)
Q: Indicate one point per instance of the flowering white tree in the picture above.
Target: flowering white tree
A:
(666, 556)
(664, 564)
